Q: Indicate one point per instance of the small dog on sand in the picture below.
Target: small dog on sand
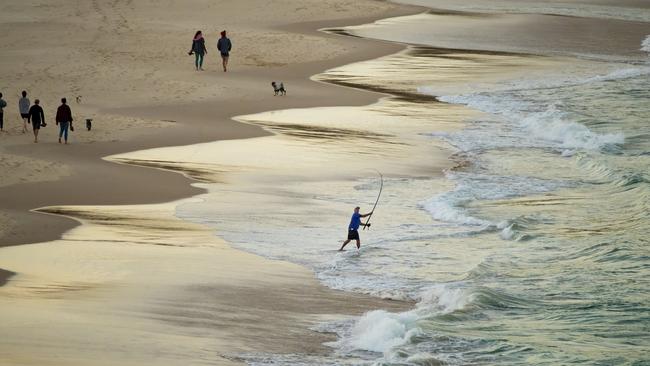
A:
(278, 88)
(78, 98)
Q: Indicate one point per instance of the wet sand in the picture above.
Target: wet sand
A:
(133, 284)
(538, 34)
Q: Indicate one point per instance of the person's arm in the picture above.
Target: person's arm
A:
(29, 116)
(368, 214)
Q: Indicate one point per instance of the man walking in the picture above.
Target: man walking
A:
(353, 228)
(36, 117)
(63, 119)
(23, 108)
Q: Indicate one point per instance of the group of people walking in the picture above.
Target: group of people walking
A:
(199, 50)
(34, 115)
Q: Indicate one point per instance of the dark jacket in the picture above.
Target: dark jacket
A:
(224, 45)
(36, 115)
(63, 114)
(198, 46)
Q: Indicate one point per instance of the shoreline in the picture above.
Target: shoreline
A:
(108, 179)
(42, 275)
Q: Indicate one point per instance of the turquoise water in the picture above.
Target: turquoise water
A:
(532, 249)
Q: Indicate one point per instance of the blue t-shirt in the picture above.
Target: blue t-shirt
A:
(355, 221)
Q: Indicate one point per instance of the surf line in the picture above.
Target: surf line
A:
(381, 187)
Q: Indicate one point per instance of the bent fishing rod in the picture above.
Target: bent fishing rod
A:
(381, 187)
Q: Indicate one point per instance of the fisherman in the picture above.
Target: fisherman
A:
(353, 228)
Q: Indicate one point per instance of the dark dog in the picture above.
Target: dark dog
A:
(278, 89)
(89, 123)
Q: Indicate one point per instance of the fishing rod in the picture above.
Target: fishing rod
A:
(381, 187)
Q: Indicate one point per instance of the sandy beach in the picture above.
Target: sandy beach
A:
(198, 221)
(128, 62)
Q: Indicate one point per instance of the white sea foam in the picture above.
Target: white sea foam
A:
(552, 125)
(449, 206)
(618, 74)
(444, 299)
(507, 231)
(382, 331)
(444, 208)
(645, 45)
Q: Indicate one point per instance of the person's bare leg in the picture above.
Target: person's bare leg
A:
(24, 125)
(225, 63)
(358, 244)
(344, 244)
(36, 135)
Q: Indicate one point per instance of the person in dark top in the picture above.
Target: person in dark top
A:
(198, 49)
(36, 117)
(353, 228)
(23, 108)
(224, 46)
(63, 119)
(2, 105)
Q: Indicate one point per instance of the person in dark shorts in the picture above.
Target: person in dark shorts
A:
(23, 108)
(353, 228)
(36, 117)
(224, 46)
(2, 115)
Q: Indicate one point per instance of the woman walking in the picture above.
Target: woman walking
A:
(198, 49)
(224, 46)
(63, 119)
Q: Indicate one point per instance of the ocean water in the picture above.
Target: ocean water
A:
(531, 247)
